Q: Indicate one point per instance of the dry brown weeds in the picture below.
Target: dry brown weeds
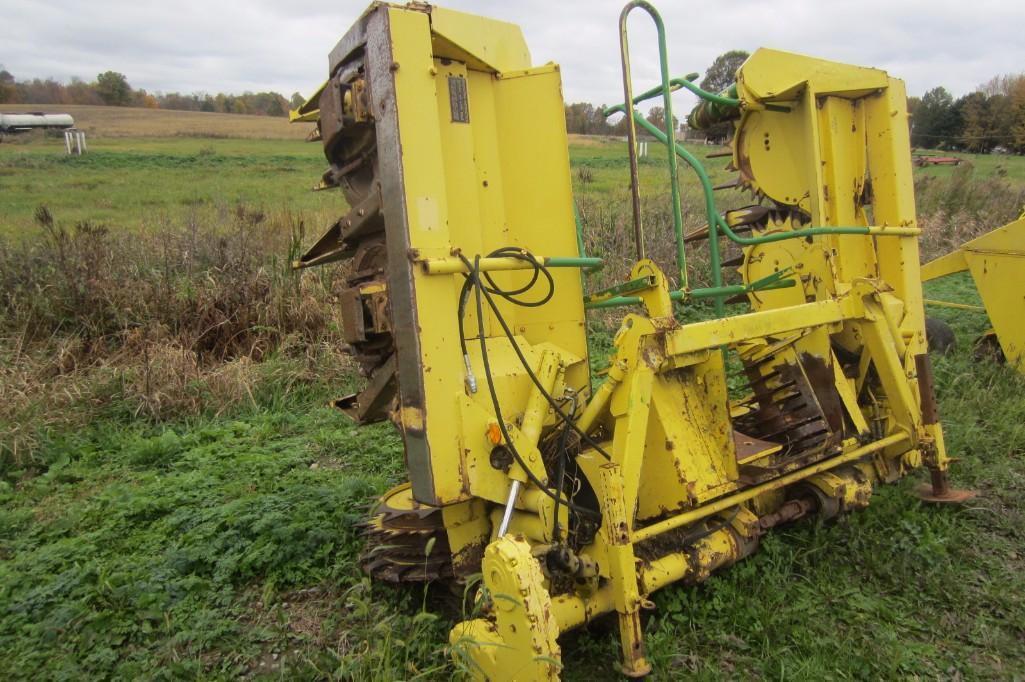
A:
(176, 321)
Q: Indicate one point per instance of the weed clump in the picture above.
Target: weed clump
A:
(170, 322)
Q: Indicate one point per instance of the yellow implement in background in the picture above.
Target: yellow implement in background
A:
(997, 263)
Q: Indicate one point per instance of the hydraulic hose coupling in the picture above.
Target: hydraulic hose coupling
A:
(471, 380)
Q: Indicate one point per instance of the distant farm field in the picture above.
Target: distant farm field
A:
(178, 501)
(136, 122)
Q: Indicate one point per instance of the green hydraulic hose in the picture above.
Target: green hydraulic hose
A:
(677, 83)
(669, 86)
(716, 221)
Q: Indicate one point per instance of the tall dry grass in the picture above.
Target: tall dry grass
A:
(961, 206)
(608, 233)
(175, 321)
(204, 313)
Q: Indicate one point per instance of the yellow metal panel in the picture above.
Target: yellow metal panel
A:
(496, 177)
(691, 457)
(893, 203)
(1000, 279)
(774, 147)
(479, 42)
(425, 188)
(997, 263)
(1009, 239)
(944, 265)
(843, 148)
(713, 333)
(772, 75)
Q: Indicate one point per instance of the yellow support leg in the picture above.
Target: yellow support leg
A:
(623, 572)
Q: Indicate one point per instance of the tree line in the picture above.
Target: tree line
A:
(113, 89)
(990, 119)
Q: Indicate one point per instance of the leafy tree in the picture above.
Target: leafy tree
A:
(719, 76)
(296, 101)
(8, 91)
(723, 71)
(113, 89)
(977, 129)
(936, 122)
(913, 104)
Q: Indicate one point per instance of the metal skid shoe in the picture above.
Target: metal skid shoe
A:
(520, 641)
(938, 491)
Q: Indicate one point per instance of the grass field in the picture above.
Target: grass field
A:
(177, 501)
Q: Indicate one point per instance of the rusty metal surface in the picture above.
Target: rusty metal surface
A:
(926, 389)
(938, 490)
(374, 402)
(399, 274)
(791, 510)
(406, 541)
(749, 447)
(795, 404)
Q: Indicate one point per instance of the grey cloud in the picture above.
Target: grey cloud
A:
(233, 45)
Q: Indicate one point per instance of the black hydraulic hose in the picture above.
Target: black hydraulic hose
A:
(478, 288)
(529, 258)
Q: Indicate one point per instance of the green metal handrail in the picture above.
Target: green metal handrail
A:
(669, 134)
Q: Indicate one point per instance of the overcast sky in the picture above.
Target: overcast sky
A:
(235, 45)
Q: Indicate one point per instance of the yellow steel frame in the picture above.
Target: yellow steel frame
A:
(813, 136)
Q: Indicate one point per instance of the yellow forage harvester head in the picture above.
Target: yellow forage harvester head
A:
(995, 262)
(463, 304)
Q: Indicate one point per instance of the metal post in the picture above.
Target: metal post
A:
(670, 133)
(510, 504)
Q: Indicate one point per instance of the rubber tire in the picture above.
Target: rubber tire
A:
(939, 335)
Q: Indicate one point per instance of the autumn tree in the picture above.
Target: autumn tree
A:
(657, 117)
(584, 118)
(1016, 109)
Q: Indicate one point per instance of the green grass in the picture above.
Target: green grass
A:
(133, 184)
(213, 547)
(984, 165)
(225, 546)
